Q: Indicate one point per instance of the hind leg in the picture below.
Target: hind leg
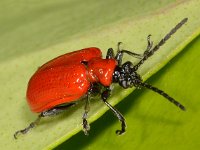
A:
(51, 112)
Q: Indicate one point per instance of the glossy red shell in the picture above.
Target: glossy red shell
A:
(65, 79)
(101, 70)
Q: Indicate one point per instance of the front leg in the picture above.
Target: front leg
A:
(104, 97)
(149, 45)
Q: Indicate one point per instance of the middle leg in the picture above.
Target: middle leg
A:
(86, 126)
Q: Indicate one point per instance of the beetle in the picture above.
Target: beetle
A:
(61, 82)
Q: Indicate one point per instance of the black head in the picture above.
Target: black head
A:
(126, 75)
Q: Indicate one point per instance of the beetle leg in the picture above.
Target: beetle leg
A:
(110, 53)
(56, 110)
(120, 53)
(52, 112)
(104, 97)
(86, 126)
(27, 129)
(149, 45)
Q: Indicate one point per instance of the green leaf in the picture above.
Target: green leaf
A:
(154, 123)
(33, 32)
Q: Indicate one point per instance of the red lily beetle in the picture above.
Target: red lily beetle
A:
(61, 82)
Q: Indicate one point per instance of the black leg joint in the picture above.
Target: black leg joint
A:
(105, 95)
(110, 53)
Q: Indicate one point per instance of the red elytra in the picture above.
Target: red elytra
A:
(61, 82)
(66, 79)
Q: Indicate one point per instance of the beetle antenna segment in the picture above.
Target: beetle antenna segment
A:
(167, 36)
(146, 85)
(27, 129)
